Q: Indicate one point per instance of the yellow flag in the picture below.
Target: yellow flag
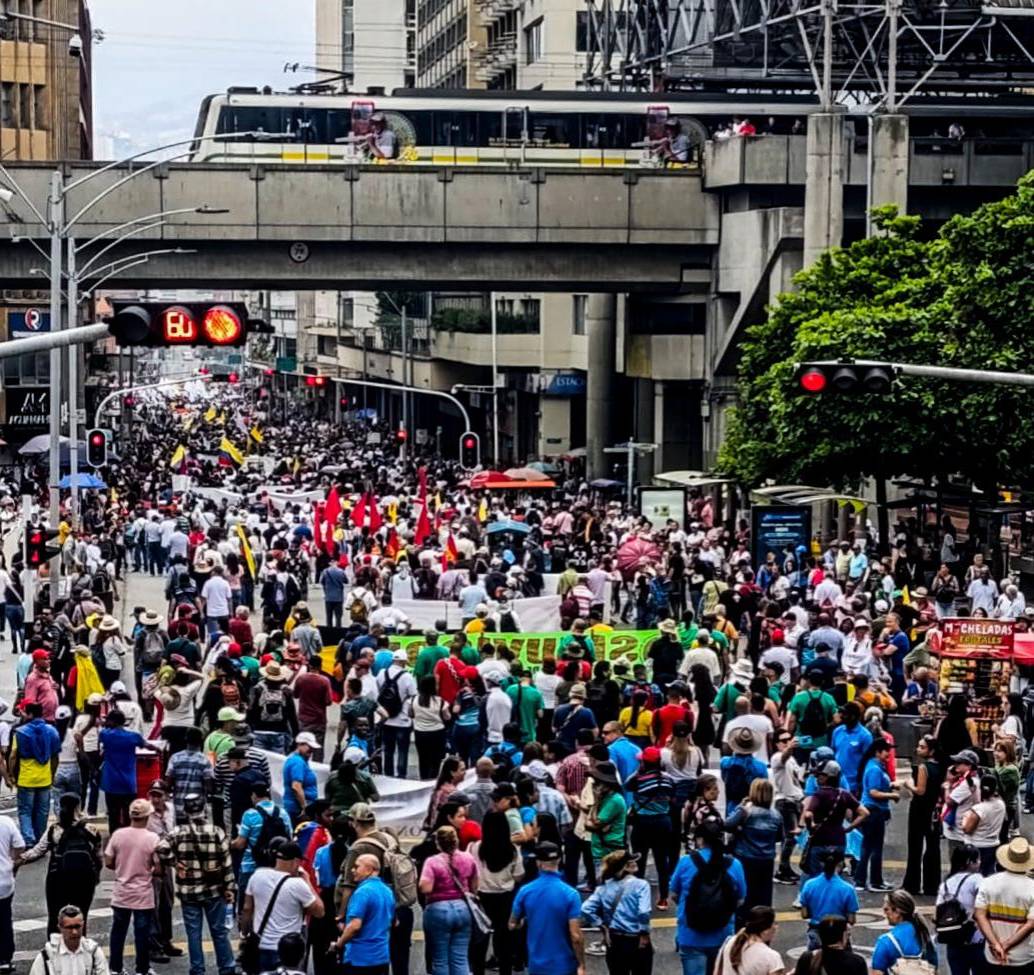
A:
(438, 501)
(483, 511)
(210, 414)
(231, 451)
(177, 456)
(222, 418)
(256, 435)
(188, 423)
(393, 512)
(249, 558)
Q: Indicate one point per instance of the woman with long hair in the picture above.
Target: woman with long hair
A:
(450, 775)
(702, 808)
(966, 954)
(637, 720)
(466, 717)
(74, 867)
(758, 829)
(908, 937)
(445, 879)
(652, 794)
(500, 870)
(704, 693)
(956, 731)
(749, 951)
(1012, 727)
(923, 870)
(430, 714)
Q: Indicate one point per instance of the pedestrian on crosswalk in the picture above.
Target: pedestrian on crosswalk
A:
(69, 952)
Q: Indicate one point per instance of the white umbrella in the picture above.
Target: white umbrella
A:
(39, 445)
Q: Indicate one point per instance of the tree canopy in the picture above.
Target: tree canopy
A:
(964, 298)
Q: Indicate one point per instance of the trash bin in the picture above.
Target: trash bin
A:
(148, 771)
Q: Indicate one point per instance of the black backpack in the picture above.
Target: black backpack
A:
(711, 900)
(813, 721)
(76, 853)
(272, 828)
(389, 697)
(951, 920)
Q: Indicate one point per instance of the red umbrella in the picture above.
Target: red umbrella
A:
(636, 553)
(481, 478)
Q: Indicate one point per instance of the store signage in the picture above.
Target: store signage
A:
(31, 321)
(966, 637)
(566, 384)
(28, 407)
(776, 527)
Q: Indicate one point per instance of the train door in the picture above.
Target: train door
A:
(361, 112)
(515, 132)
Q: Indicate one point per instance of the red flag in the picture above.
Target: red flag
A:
(451, 552)
(375, 515)
(423, 525)
(359, 512)
(391, 547)
(331, 511)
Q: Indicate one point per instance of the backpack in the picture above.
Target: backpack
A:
(152, 649)
(357, 609)
(231, 693)
(909, 964)
(76, 852)
(737, 782)
(659, 597)
(271, 704)
(389, 697)
(503, 755)
(279, 593)
(100, 583)
(507, 623)
(272, 828)
(813, 721)
(712, 889)
(401, 872)
(951, 920)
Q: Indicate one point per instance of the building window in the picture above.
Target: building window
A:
(533, 42)
(7, 105)
(39, 98)
(581, 31)
(578, 304)
(326, 345)
(25, 106)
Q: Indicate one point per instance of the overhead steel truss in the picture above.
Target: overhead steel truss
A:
(883, 52)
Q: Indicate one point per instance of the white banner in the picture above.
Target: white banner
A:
(540, 614)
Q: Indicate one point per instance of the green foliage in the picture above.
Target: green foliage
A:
(479, 321)
(964, 299)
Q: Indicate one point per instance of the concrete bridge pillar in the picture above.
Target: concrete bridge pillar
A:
(601, 332)
(824, 186)
(888, 176)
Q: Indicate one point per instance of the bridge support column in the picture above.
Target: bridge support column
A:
(888, 172)
(601, 330)
(824, 188)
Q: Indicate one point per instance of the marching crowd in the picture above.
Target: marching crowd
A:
(236, 739)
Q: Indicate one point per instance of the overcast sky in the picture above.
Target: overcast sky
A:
(159, 59)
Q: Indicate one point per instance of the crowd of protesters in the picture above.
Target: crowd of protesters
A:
(236, 736)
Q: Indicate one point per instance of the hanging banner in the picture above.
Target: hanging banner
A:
(967, 637)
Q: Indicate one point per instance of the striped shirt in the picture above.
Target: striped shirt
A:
(1008, 899)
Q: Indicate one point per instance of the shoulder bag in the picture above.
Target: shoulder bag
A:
(249, 955)
(480, 921)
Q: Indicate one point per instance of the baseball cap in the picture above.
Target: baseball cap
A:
(400, 656)
(40, 655)
(229, 714)
(577, 690)
(651, 754)
(362, 812)
(547, 852)
(306, 738)
(831, 769)
(139, 808)
(117, 687)
(157, 789)
(289, 851)
(968, 756)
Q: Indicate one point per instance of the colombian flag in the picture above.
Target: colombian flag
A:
(210, 414)
(228, 451)
(256, 435)
(178, 456)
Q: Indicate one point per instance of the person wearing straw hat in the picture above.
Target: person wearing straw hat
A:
(1004, 909)
(741, 767)
(272, 715)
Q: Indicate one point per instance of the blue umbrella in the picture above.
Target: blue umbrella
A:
(507, 526)
(81, 481)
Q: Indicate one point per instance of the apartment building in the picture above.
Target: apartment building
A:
(371, 43)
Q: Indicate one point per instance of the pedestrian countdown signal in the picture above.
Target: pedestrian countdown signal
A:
(160, 325)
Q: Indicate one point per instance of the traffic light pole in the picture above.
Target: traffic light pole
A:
(50, 341)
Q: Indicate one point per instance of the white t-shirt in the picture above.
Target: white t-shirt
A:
(759, 724)
(498, 710)
(965, 794)
(758, 959)
(407, 690)
(1008, 899)
(10, 840)
(786, 776)
(217, 596)
(546, 684)
(784, 656)
(992, 815)
(288, 914)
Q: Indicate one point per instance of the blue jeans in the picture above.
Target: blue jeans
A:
(698, 961)
(273, 741)
(870, 863)
(33, 812)
(966, 959)
(15, 616)
(214, 911)
(396, 742)
(67, 779)
(466, 742)
(269, 960)
(447, 929)
(141, 937)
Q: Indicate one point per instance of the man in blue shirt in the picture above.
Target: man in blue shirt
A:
(699, 949)
(333, 579)
(877, 794)
(897, 638)
(851, 740)
(300, 785)
(368, 919)
(568, 719)
(825, 894)
(118, 767)
(251, 828)
(551, 909)
(623, 753)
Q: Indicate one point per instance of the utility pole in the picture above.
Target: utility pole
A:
(495, 386)
(403, 449)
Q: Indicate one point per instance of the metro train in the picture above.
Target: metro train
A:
(434, 127)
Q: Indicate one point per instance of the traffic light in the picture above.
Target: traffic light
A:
(844, 377)
(96, 447)
(401, 436)
(315, 380)
(470, 450)
(196, 324)
(225, 377)
(37, 552)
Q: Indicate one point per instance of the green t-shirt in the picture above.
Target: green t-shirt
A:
(799, 705)
(688, 636)
(425, 661)
(250, 666)
(219, 742)
(612, 813)
(720, 641)
(470, 656)
(725, 701)
(531, 704)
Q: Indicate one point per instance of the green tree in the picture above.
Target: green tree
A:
(965, 298)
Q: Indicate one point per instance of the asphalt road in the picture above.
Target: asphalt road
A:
(30, 910)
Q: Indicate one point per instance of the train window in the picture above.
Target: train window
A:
(455, 128)
(250, 118)
(552, 130)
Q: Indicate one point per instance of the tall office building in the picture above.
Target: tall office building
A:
(372, 43)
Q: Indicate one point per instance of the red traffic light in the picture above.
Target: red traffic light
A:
(469, 443)
(233, 378)
(178, 325)
(269, 372)
(96, 439)
(813, 381)
(315, 380)
(128, 400)
(401, 436)
(204, 370)
(222, 325)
